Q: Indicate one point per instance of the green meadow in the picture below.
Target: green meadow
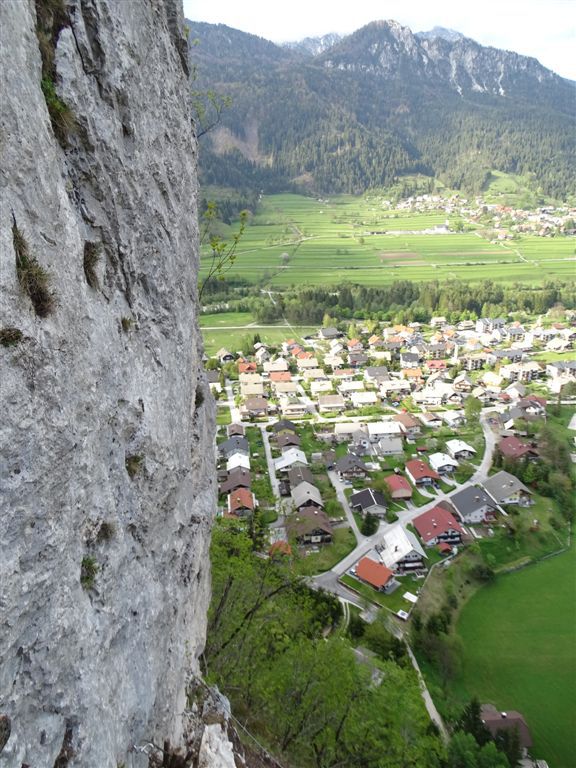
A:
(518, 652)
(294, 240)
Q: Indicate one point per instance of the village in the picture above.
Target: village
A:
(373, 460)
(384, 427)
(505, 221)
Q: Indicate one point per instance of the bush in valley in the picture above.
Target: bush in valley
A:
(482, 572)
(370, 524)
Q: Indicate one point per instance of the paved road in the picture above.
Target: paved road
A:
(428, 701)
(339, 487)
(270, 462)
(234, 411)
(490, 444)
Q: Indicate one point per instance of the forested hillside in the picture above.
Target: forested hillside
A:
(376, 105)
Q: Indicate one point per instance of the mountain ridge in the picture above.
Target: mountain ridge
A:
(380, 103)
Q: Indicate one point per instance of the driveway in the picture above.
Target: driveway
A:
(339, 487)
(234, 411)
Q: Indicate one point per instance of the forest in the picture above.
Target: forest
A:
(278, 650)
(402, 301)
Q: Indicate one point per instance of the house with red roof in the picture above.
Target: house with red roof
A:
(438, 525)
(512, 448)
(354, 345)
(375, 574)
(241, 502)
(420, 473)
(280, 549)
(280, 376)
(400, 488)
(247, 367)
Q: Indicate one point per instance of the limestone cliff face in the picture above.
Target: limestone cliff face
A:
(106, 427)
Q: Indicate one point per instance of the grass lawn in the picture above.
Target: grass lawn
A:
(309, 443)
(223, 319)
(223, 416)
(343, 543)
(464, 472)
(519, 652)
(261, 485)
(418, 499)
(393, 602)
(503, 550)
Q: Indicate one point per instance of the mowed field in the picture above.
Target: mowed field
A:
(519, 652)
(296, 240)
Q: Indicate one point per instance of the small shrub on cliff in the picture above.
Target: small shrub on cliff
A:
(126, 323)
(9, 337)
(106, 531)
(88, 571)
(51, 18)
(34, 279)
(61, 116)
(134, 464)
(91, 259)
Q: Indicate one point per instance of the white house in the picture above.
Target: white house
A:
(453, 418)
(317, 387)
(400, 550)
(238, 460)
(504, 488)
(442, 463)
(390, 445)
(458, 449)
(347, 387)
(379, 429)
(277, 365)
(362, 399)
(344, 431)
(294, 457)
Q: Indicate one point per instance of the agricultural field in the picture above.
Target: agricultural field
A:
(296, 240)
(518, 652)
(226, 320)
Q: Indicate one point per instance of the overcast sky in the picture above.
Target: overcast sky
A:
(545, 29)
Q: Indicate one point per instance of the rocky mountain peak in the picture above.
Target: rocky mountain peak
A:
(313, 46)
(451, 35)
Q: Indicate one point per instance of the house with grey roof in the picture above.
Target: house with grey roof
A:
(390, 445)
(351, 466)
(369, 501)
(474, 505)
(300, 474)
(505, 488)
(306, 495)
(234, 444)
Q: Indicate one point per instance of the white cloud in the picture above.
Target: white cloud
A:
(545, 29)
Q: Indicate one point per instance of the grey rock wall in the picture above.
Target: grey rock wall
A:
(106, 424)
